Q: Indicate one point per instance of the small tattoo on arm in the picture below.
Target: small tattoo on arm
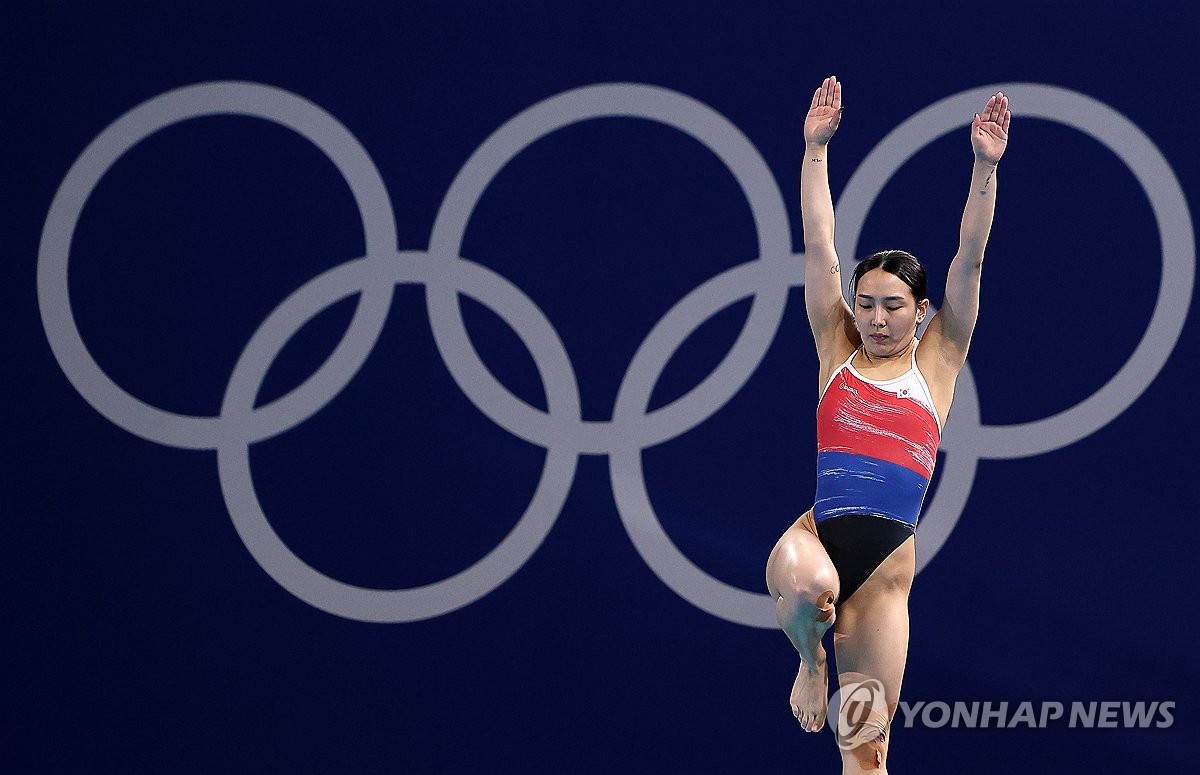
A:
(987, 182)
(815, 159)
(835, 268)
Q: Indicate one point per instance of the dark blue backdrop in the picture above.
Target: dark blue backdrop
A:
(144, 636)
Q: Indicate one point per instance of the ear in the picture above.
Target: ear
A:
(922, 310)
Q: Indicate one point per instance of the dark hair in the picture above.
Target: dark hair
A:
(898, 262)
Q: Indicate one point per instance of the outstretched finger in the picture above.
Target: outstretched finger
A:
(831, 87)
(837, 96)
(816, 100)
(986, 110)
(989, 110)
(1001, 108)
(1005, 116)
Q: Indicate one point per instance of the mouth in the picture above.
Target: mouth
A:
(879, 337)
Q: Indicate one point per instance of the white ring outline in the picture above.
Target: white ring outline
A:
(210, 99)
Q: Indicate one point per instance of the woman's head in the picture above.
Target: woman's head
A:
(888, 292)
(898, 262)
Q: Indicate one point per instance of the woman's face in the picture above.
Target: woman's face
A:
(886, 314)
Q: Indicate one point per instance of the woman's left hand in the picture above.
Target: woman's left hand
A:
(989, 130)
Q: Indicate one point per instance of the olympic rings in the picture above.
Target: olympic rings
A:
(561, 429)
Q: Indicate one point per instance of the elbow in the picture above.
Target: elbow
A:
(818, 239)
(970, 253)
(967, 262)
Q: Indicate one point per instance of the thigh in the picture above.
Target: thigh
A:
(870, 637)
(799, 564)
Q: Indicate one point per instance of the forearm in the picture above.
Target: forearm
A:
(977, 215)
(816, 202)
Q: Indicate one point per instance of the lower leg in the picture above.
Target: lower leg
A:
(805, 586)
(802, 622)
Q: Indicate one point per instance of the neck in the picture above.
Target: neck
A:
(906, 350)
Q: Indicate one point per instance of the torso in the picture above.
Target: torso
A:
(877, 439)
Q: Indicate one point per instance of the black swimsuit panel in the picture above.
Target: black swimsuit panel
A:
(857, 544)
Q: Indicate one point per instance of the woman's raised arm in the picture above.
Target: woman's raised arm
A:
(827, 310)
(955, 322)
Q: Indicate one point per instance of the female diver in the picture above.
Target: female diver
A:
(848, 563)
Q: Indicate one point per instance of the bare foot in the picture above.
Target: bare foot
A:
(810, 693)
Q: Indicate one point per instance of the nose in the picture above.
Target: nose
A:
(877, 318)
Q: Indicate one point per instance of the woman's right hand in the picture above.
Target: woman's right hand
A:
(825, 112)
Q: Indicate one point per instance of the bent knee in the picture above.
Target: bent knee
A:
(805, 600)
(799, 570)
(817, 585)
